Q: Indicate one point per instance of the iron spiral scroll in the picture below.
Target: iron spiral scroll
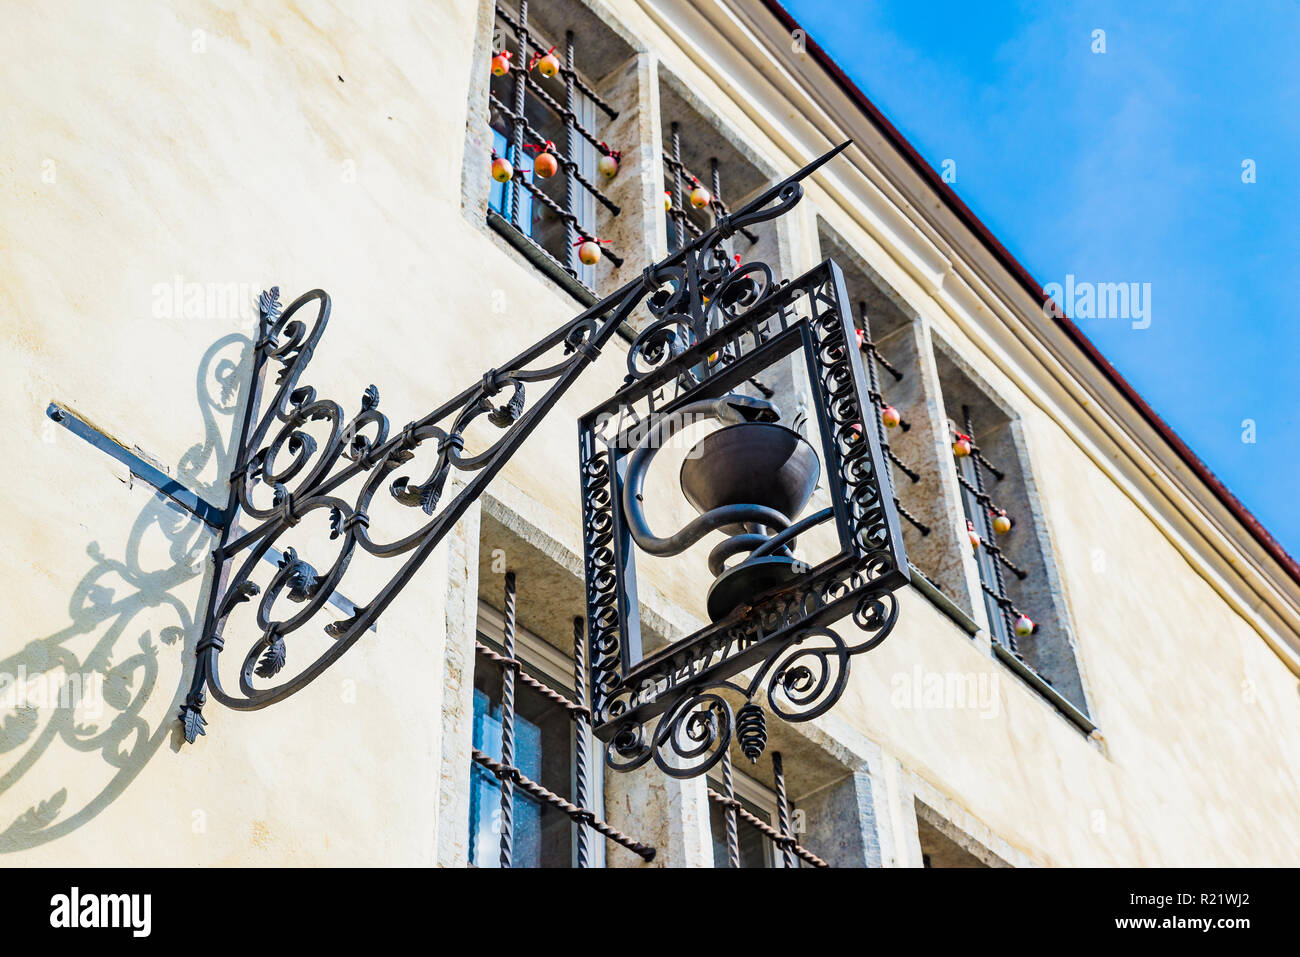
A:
(305, 459)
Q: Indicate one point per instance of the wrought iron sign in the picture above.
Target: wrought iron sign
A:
(716, 324)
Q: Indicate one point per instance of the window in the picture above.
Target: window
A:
(1007, 536)
(543, 752)
(895, 359)
(561, 114)
(553, 771)
(756, 850)
(697, 154)
(764, 821)
(943, 844)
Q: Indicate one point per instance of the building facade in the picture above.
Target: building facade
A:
(1111, 681)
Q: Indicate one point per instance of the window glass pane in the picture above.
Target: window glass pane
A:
(542, 835)
(755, 848)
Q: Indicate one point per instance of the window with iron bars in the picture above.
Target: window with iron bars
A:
(994, 501)
(533, 781)
(753, 826)
(530, 113)
(688, 217)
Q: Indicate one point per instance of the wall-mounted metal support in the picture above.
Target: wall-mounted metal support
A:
(297, 453)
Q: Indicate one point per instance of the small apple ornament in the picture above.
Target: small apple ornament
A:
(1002, 522)
(961, 447)
(668, 201)
(545, 164)
(1024, 627)
(589, 251)
(549, 65)
(607, 165)
(502, 171)
(700, 197)
(890, 417)
(858, 334)
(973, 535)
(501, 63)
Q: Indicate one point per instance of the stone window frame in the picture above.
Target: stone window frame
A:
(552, 666)
(626, 189)
(1079, 712)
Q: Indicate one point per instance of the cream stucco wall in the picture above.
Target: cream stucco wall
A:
(321, 144)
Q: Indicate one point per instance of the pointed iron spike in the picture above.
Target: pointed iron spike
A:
(771, 192)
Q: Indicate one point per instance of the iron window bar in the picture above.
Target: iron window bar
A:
(878, 406)
(782, 836)
(565, 163)
(567, 71)
(997, 590)
(579, 712)
(679, 174)
(515, 116)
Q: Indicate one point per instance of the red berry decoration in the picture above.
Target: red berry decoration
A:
(858, 333)
(890, 417)
(502, 171)
(961, 447)
(501, 63)
(1002, 522)
(1024, 627)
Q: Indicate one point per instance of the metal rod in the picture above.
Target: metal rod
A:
(571, 149)
(729, 811)
(644, 851)
(581, 736)
(517, 127)
(715, 182)
(783, 810)
(767, 830)
(985, 532)
(508, 721)
(587, 90)
(678, 210)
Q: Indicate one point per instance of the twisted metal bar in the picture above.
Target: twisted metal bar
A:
(674, 163)
(546, 691)
(570, 158)
(509, 669)
(985, 533)
(782, 809)
(570, 165)
(503, 772)
(978, 456)
(517, 127)
(566, 70)
(921, 527)
(581, 734)
(770, 832)
(729, 812)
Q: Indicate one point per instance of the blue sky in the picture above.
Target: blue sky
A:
(1126, 166)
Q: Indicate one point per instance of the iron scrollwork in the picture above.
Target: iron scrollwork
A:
(673, 707)
(299, 453)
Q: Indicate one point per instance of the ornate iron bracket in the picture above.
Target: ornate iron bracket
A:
(285, 475)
